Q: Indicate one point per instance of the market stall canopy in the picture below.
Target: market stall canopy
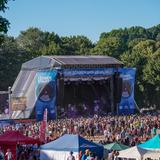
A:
(133, 153)
(71, 142)
(152, 144)
(15, 137)
(10, 140)
(152, 155)
(75, 143)
(115, 146)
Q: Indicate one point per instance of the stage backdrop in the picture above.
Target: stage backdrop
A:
(127, 104)
(46, 94)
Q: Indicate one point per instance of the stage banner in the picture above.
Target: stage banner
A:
(127, 104)
(45, 94)
(82, 72)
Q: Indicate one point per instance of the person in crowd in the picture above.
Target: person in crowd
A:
(71, 156)
(9, 155)
(90, 157)
(80, 155)
(1, 154)
(85, 155)
(111, 155)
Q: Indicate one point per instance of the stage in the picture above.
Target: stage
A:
(71, 86)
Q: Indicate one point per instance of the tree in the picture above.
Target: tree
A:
(111, 46)
(31, 40)
(144, 56)
(76, 45)
(4, 23)
(11, 58)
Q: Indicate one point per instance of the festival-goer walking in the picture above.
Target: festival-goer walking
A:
(71, 157)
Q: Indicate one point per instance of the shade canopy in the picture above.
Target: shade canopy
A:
(15, 137)
(10, 139)
(152, 144)
(115, 146)
(75, 143)
(133, 153)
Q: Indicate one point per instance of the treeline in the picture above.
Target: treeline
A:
(135, 47)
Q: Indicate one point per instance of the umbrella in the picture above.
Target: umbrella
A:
(115, 146)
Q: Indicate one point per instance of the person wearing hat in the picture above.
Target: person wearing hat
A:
(84, 156)
(71, 157)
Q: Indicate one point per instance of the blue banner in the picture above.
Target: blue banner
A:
(127, 104)
(86, 72)
(46, 94)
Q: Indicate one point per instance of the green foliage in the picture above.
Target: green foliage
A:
(32, 40)
(11, 58)
(111, 46)
(4, 23)
(76, 45)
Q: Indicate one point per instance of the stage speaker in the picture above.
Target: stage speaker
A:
(118, 89)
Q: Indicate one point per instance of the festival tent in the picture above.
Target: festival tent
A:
(10, 139)
(138, 153)
(133, 153)
(152, 144)
(115, 146)
(153, 155)
(60, 148)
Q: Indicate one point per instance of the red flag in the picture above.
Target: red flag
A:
(43, 127)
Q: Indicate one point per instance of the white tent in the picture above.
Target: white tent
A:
(133, 153)
(138, 153)
(153, 155)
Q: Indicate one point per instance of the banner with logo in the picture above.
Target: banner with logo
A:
(46, 94)
(127, 104)
(78, 72)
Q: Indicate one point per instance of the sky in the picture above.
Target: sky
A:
(81, 17)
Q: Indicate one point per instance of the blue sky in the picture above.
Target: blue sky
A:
(81, 17)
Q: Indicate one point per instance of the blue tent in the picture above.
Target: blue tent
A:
(152, 144)
(75, 143)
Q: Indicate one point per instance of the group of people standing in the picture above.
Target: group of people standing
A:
(8, 155)
(81, 109)
(87, 155)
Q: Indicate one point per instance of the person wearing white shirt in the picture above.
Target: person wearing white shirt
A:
(9, 154)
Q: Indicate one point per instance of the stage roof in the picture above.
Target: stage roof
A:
(48, 62)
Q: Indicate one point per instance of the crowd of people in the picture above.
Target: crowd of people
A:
(99, 106)
(24, 152)
(129, 130)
